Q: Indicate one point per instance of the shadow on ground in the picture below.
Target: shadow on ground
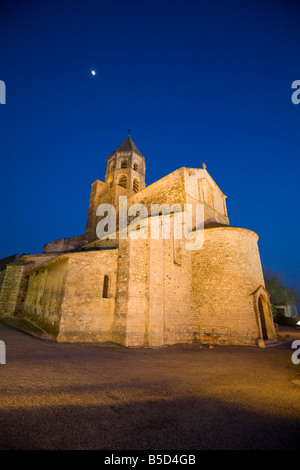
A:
(189, 424)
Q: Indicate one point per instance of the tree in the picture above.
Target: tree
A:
(280, 293)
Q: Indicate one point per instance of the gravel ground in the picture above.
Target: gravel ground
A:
(91, 396)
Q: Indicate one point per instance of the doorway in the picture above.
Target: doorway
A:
(265, 318)
(261, 308)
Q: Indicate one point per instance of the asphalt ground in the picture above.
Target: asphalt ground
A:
(89, 396)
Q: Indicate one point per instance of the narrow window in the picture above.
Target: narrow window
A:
(177, 251)
(106, 283)
(136, 167)
(112, 166)
(124, 163)
(136, 185)
(123, 181)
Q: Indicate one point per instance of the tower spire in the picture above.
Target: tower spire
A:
(126, 167)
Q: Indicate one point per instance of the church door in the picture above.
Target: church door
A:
(262, 305)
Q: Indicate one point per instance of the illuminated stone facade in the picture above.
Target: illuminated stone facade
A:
(146, 291)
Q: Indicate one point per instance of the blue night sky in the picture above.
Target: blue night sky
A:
(195, 81)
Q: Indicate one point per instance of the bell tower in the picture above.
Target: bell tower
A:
(126, 169)
(125, 176)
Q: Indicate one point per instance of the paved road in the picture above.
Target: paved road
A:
(87, 396)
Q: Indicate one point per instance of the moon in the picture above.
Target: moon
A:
(93, 72)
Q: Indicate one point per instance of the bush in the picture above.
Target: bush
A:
(287, 321)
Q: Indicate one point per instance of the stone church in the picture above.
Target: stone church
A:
(145, 291)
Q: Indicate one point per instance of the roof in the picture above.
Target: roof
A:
(128, 146)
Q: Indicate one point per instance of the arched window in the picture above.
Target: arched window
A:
(111, 166)
(177, 251)
(136, 167)
(106, 287)
(123, 181)
(136, 185)
(124, 163)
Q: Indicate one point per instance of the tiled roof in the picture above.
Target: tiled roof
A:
(128, 146)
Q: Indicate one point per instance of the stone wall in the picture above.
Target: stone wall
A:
(176, 289)
(15, 282)
(10, 290)
(168, 190)
(45, 293)
(3, 263)
(65, 244)
(226, 272)
(122, 294)
(153, 291)
(98, 189)
(85, 314)
(200, 187)
(2, 276)
(136, 291)
(101, 193)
